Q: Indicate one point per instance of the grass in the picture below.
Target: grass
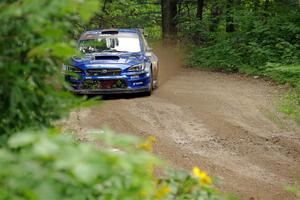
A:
(290, 105)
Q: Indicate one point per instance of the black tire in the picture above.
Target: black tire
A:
(156, 85)
(149, 93)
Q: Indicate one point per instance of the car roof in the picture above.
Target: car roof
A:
(123, 30)
(95, 33)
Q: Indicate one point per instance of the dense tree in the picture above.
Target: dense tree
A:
(169, 22)
(200, 6)
(36, 38)
(265, 32)
(215, 16)
(229, 16)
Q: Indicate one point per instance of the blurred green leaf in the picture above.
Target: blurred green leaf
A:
(88, 8)
(37, 36)
(21, 139)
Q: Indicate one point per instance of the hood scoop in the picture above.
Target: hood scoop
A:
(107, 57)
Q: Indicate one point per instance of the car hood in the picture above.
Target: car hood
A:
(107, 60)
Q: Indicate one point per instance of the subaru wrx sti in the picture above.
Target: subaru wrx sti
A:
(113, 61)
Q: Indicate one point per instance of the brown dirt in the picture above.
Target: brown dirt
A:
(226, 124)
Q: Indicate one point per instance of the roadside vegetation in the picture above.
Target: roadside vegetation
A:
(48, 165)
(258, 38)
(254, 37)
(37, 160)
(36, 38)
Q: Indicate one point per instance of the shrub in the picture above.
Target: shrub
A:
(284, 74)
(259, 39)
(53, 166)
(290, 105)
(35, 40)
(265, 43)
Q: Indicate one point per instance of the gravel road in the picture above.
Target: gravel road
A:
(225, 123)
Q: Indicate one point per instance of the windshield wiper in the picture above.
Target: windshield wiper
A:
(113, 50)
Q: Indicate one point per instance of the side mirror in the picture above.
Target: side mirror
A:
(149, 49)
(148, 53)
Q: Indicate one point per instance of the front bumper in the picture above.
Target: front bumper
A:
(110, 91)
(135, 83)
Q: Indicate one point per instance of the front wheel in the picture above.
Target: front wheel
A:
(149, 92)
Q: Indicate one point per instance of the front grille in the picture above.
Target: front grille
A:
(104, 84)
(103, 72)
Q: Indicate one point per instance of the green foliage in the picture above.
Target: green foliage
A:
(283, 74)
(126, 14)
(266, 42)
(35, 40)
(53, 166)
(215, 57)
(192, 29)
(295, 188)
(290, 105)
(185, 186)
(49, 166)
(261, 37)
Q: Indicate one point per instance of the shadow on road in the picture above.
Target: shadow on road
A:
(116, 96)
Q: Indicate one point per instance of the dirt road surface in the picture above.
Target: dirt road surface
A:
(226, 124)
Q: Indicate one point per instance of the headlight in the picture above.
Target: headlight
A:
(136, 68)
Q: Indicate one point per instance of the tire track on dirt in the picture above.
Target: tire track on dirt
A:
(216, 121)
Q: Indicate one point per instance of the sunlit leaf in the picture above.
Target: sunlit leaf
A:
(21, 139)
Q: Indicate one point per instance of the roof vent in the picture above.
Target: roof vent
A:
(110, 32)
(107, 57)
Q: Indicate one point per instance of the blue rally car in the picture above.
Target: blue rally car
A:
(114, 61)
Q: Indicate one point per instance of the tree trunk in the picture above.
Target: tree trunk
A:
(200, 5)
(215, 16)
(267, 5)
(256, 5)
(229, 16)
(169, 23)
(102, 14)
(197, 38)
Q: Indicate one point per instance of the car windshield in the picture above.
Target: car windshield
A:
(110, 43)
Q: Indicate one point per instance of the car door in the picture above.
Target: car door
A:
(153, 59)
